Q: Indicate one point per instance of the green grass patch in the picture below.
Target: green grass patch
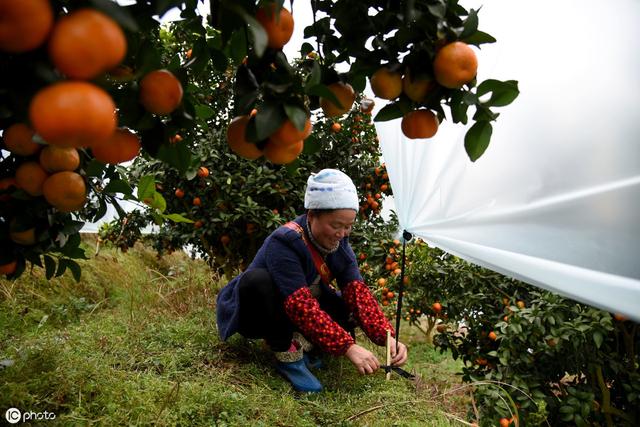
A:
(135, 342)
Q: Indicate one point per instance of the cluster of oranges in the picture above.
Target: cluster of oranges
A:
(73, 114)
(374, 187)
(282, 147)
(455, 64)
(286, 143)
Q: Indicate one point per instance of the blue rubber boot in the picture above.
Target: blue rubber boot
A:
(299, 376)
(291, 366)
(312, 361)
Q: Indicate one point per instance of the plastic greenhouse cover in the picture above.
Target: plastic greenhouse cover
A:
(555, 199)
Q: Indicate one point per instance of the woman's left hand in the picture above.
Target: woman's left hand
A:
(399, 357)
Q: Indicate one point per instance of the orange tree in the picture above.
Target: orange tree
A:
(107, 81)
(537, 358)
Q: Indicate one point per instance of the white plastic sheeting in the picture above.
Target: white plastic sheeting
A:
(555, 200)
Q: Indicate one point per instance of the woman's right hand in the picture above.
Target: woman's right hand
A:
(365, 361)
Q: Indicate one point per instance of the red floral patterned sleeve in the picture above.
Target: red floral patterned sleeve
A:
(316, 325)
(367, 312)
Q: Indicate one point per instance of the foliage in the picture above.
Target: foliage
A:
(207, 56)
(123, 232)
(234, 207)
(142, 349)
(560, 361)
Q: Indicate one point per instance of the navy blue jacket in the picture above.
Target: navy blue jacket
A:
(287, 258)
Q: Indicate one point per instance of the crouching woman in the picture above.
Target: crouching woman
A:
(286, 295)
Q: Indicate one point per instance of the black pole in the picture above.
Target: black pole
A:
(406, 236)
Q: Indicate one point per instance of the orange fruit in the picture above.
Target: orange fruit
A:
(345, 94)
(203, 172)
(189, 53)
(390, 295)
(417, 88)
(197, 201)
(9, 267)
(160, 92)
(123, 146)
(73, 114)
(280, 154)
(419, 124)
(225, 239)
(24, 24)
(58, 159)
(24, 237)
(30, 176)
(520, 304)
(335, 127)
(437, 307)
(620, 317)
(5, 185)
(493, 336)
(86, 43)
(175, 138)
(455, 64)
(66, 191)
(179, 193)
(279, 26)
(288, 133)
(382, 281)
(504, 422)
(18, 139)
(236, 139)
(198, 224)
(386, 84)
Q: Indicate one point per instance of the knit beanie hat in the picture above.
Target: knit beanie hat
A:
(330, 189)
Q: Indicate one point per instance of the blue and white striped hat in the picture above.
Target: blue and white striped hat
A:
(330, 189)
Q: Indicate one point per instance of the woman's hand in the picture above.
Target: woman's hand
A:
(365, 361)
(400, 357)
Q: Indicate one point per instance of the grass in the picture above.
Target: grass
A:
(135, 342)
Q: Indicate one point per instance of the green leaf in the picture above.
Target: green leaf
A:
(177, 218)
(393, 111)
(477, 139)
(438, 9)
(479, 38)
(268, 119)
(580, 422)
(146, 187)
(75, 269)
(297, 115)
(258, 34)
(62, 267)
(118, 186)
(470, 24)
(458, 108)
(502, 93)
(204, 112)
(598, 338)
(159, 202)
(95, 168)
(50, 266)
(176, 155)
(323, 92)
(311, 145)
(314, 77)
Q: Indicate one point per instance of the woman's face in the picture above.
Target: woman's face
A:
(328, 228)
